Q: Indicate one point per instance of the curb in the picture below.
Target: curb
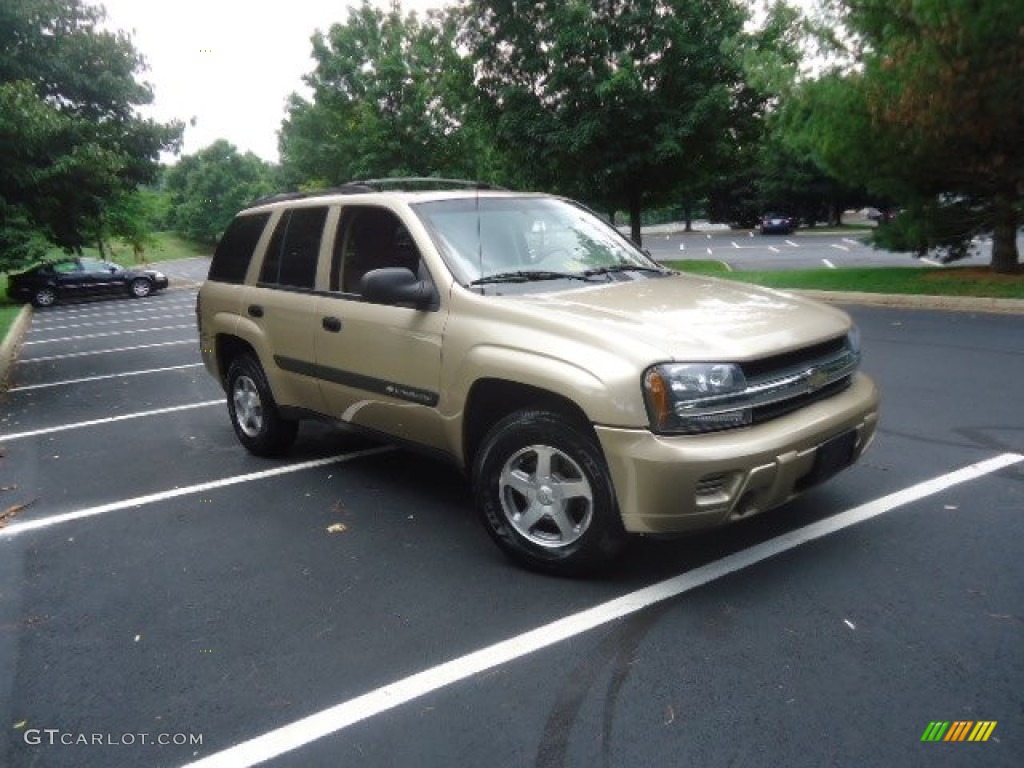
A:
(912, 301)
(9, 345)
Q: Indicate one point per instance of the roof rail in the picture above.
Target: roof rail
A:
(275, 198)
(402, 184)
(409, 183)
(280, 197)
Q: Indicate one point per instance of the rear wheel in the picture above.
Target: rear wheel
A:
(545, 496)
(45, 296)
(254, 414)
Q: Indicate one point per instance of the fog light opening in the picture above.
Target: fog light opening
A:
(747, 505)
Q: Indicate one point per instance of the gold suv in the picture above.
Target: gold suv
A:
(588, 392)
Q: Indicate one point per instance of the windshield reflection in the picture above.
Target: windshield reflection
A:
(489, 237)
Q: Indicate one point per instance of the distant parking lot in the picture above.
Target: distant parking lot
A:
(804, 249)
(166, 598)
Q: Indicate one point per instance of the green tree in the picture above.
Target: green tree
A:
(207, 189)
(390, 97)
(133, 217)
(927, 109)
(620, 103)
(70, 137)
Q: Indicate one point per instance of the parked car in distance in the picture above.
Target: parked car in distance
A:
(777, 224)
(882, 215)
(587, 391)
(72, 278)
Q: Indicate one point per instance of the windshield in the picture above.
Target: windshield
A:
(526, 238)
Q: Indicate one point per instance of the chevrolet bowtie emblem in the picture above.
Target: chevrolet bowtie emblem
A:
(816, 379)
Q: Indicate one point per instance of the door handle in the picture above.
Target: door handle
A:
(331, 324)
(255, 310)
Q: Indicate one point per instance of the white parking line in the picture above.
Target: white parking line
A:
(773, 249)
(839, 247)
(334, 719)
(790, 242)
(851, 241)
(72, 326)
(61, 314)
(108, 334)
(109, 420)
(153, 498)
(87, 379)
(68, 355)
(828, 264)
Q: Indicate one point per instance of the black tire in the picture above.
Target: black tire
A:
(140, 288)
(254, 414)
(44, 297)
(561, 518)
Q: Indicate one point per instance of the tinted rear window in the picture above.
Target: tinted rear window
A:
(231, 259)
(292, 254)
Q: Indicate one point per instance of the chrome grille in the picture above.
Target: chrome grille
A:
(784, 383)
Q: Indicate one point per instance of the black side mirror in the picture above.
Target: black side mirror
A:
(397, 285)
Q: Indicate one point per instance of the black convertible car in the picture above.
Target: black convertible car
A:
(49, 283)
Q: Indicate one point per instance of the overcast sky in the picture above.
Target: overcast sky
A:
(230, 64)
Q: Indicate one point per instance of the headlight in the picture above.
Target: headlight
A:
(691, 398)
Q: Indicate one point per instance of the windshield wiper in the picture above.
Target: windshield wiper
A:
(625, 268)
(527, 276)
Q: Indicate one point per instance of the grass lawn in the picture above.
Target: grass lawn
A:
(923, 281)
(7, 313)
(166, 246)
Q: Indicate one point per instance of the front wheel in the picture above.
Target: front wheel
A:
(545, 496)
(254, 414)
(140, 287)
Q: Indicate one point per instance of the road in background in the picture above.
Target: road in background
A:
(744, 250)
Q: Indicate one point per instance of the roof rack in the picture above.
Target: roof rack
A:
(398, 184)
(410, 183)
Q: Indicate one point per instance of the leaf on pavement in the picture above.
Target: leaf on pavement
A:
(337, 528)
(9, 513)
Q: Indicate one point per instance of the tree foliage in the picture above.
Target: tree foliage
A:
(70, 137)
(207, 189)
(768, 172)
(928, 109)
(390, 97)
(620, 103)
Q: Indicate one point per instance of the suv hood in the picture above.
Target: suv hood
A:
(695, 318)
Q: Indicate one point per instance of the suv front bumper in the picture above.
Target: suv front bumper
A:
(673, 484)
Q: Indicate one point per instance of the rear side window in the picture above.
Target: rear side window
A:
(292, 254)
(231, 259)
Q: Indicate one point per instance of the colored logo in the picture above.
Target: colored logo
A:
(959, 730)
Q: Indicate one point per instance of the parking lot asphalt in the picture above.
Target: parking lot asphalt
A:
(344, 607)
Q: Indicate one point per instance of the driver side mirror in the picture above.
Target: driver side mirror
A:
(398, 285)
